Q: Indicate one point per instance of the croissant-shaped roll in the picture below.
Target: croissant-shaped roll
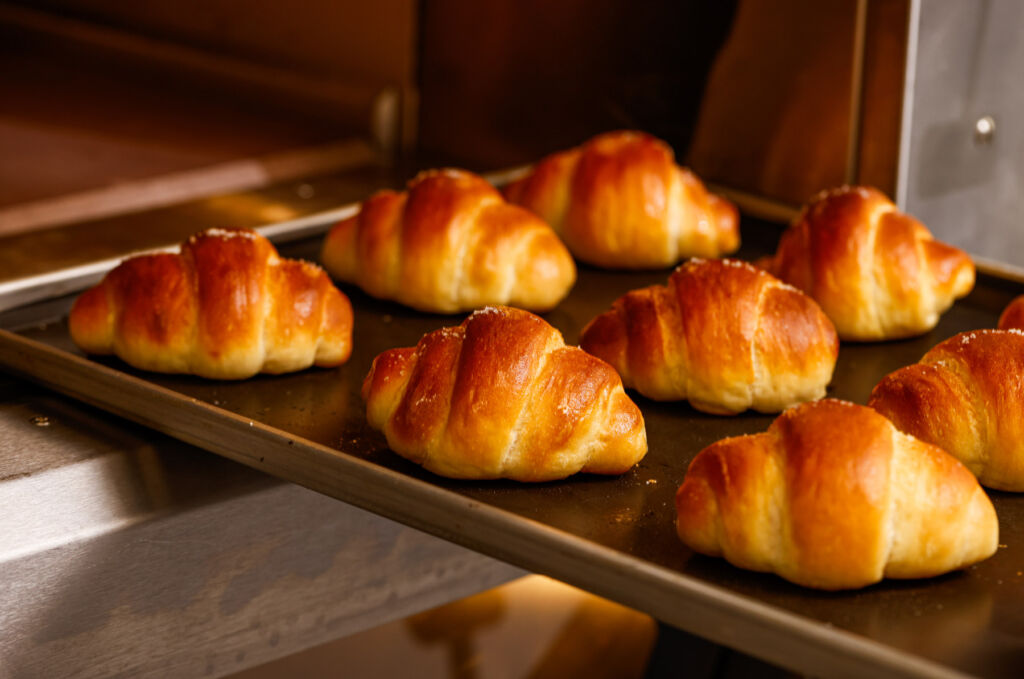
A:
(966, 395)
(501, 396)
(621, 202)
(722, 334)
(875, 271)
(226, 307)
(832, 496)
(450, 243)
(1013, 315)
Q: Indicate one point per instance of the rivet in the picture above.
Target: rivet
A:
(984, 130)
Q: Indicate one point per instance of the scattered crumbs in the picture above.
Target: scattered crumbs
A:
(567, 409)
(787, 286)
(216, 232)
(966, 337)
(486, 311)
(451, 172)
(425, 399)
(251, 423)
(740, 264)
(623, 516)
(651, 482)
(834, 401)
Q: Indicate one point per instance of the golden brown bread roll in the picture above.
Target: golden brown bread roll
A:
(502, 396)
(875, 271)
(226, 307)
(832, 496)
(1013, 315)
(450, 243)
(620, 201)
(722, 334)
(965, 395)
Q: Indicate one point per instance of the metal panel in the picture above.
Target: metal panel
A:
(127, 553)
(965, 163)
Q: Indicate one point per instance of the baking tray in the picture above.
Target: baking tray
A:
(612, 536)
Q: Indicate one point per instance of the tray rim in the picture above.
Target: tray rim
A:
(778, 636)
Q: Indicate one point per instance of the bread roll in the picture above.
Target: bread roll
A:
(1013, 315)
(620, 201)
(832, 496)
(965, 395)
(225, 307)
(450, 243)
(502, 396)
(875, 271)
(722, 334)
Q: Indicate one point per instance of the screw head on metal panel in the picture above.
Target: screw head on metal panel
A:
(984, 130)
(40, 421)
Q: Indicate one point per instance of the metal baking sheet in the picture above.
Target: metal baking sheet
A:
(612, 536)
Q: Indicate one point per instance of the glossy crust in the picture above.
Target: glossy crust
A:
(875, 271)
(502, 396)
(832, 496)
(722, 334)
(965, 395)
(450, 243)
(620, 201)
(225, 307)
(1013, 315)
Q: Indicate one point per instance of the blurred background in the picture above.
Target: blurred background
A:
(112, 107)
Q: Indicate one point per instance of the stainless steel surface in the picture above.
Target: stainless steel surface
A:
(311, 218)
(969, 60)
(612, 536)
(20, 291)
(128, 553)
(910, 66)
(97, 244)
